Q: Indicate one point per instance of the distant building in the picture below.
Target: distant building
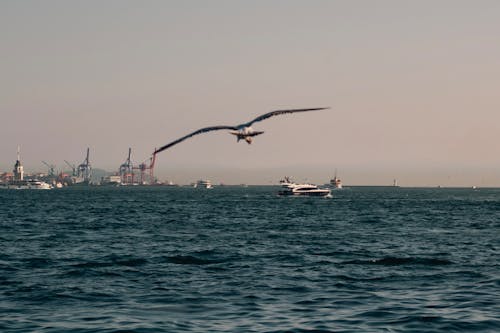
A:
(7, 177)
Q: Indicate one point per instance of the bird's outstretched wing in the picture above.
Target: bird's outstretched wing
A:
(278, 112)
(253, 133)
(201, 130)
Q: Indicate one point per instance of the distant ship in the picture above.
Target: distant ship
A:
(203, 183)
(113, 180)
(26, 184)
(335, 183)
(78, 181)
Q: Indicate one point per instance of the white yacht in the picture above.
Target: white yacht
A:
(294, 189)
(31, 184)
(203, 184)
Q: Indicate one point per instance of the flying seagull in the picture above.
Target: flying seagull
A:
(242, 132)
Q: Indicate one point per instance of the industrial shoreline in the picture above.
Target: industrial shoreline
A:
(83, 174)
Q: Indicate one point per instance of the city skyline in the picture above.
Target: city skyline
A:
(411, 86)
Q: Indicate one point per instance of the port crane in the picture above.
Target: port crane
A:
(73, 168)
(85, 169)
(51, 167)
(126, 170)
(144, 167)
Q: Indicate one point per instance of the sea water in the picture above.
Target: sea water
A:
(234, 259)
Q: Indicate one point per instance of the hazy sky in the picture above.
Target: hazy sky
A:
(413, 87)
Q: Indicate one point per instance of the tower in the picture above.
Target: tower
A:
(18, 167)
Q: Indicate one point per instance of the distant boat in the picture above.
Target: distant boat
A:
(114, 180)
(78, 181)
(203, 183)
(26, 184)
(290, 188)
(335, 183)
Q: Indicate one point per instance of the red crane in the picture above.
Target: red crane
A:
(143, 168)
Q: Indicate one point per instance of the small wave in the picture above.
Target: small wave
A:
(131, 262)
(370, 279)
(191, 260)
(399, 261)
(7, 268)
(114, 261)
(293, 289)
(420, 319)
(92, 264)
(302, 330)
(37, 262)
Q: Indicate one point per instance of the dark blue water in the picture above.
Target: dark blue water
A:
(244, 260)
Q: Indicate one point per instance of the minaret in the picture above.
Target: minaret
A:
(18, 167)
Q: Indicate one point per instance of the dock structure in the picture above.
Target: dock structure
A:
(126, 170)
(146, 171)
(85, 169)
(81, 174)
(140, 174)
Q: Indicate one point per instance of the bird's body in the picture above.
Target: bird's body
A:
(242, 132)
(245, 134)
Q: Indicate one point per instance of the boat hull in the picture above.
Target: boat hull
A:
(26, 185)
(319, 193)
